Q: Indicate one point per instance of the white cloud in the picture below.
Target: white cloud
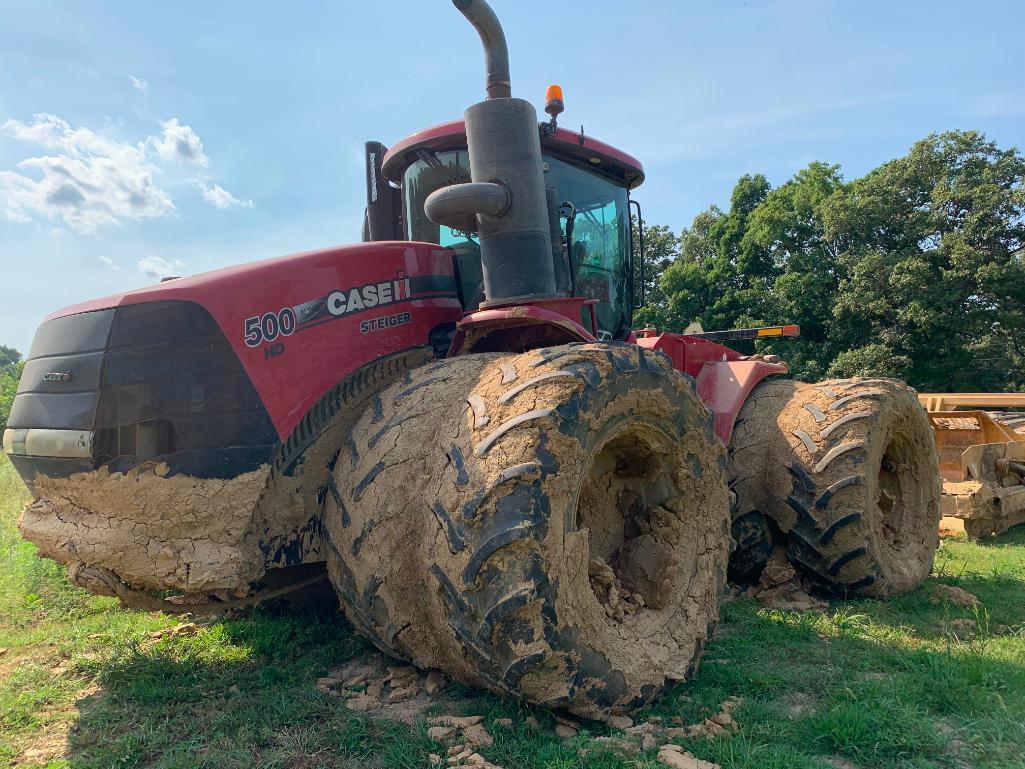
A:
(109, 262)
(138, 83)
(179, 143)
(219, 197)
(89, 180)
(158, 268)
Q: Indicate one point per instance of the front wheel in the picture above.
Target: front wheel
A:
(551, 525)
(847, 471)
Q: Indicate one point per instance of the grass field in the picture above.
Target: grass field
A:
(864, 684)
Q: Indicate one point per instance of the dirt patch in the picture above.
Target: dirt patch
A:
(52, 744)
(399, 693)
(798, 703)
(964, 626)
(953, 594)
(154, 532)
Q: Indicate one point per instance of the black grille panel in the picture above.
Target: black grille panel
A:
(153, 381)
(73, 345)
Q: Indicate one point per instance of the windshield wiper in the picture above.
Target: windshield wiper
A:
(430, 157)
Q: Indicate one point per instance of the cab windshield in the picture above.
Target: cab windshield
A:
(598, 222)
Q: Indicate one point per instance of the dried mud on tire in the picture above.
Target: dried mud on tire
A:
(846, 469)
(551, 525)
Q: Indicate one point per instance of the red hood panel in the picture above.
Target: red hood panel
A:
(301, 323)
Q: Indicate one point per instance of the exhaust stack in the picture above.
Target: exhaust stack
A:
(505, 201)
(496, 52)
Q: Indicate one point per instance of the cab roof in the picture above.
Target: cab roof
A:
(452, 135)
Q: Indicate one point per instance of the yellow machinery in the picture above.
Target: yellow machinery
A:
(982, 460)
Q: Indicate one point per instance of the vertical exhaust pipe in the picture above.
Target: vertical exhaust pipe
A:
(496, 52)
(506, 196)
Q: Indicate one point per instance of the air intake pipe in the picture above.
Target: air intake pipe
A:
(505, 201)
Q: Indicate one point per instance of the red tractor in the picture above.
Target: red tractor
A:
(503, 480)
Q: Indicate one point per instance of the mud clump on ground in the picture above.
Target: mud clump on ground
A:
(462, 735)
(153, 531)
(402, 693)
(712, 726)
(653, 733)
(676, 757)
(955, 595)
(371, 685)
(781, 587)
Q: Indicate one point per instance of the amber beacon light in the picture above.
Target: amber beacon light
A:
(553, 100)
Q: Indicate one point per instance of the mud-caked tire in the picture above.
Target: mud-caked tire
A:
(847, 472)
(551, 525)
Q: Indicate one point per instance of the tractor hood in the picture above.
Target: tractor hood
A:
(215, 283)
(210, 373)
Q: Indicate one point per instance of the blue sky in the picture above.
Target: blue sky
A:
(208, 134)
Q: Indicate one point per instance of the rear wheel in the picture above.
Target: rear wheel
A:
(551, 525)
(846, 469)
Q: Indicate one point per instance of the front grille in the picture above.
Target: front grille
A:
(153, 381)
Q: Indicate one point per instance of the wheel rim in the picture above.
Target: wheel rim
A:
(895, 495)
(625, 505)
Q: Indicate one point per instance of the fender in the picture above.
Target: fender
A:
(523, 327)
(723, 377)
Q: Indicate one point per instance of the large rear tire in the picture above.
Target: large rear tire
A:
(551, 525)
(846, 470)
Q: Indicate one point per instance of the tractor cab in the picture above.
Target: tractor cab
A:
(591, 183)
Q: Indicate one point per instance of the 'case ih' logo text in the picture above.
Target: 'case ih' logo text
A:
(57, 376)
(342, 302)
(370, 295)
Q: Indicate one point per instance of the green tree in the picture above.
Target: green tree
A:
(10, 375)
(661, 248)
(739, 279)
(916, 270)
(8, 356)
(797, 267)
(931, 248)
(685, 288)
